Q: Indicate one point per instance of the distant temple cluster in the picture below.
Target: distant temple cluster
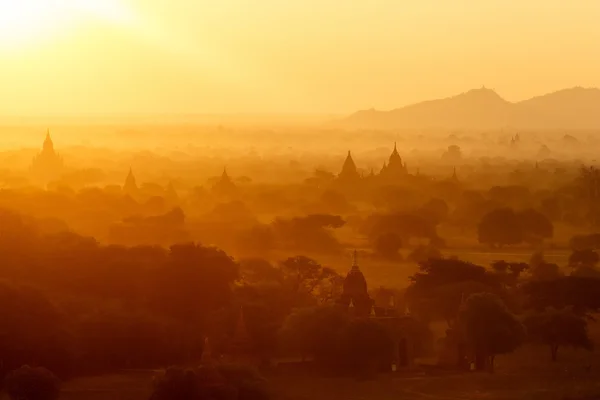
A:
(391, 171)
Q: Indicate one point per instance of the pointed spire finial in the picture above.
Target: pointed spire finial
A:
(355, 260)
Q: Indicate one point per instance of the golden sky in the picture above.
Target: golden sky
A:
(280, 56)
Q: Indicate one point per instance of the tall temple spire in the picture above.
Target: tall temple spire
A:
(48, 164)
(225, 185)
(355, 260)
(454, 176)
(48, 145)
(130, 186)
(395, 166)
(349, 171)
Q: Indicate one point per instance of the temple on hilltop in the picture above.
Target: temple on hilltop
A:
(48, 164)
(403, 329)
(130, 187)
(224, 186)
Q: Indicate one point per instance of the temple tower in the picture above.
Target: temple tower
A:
(349, 172)
(48, 164)
(130, 187)
(355, 291)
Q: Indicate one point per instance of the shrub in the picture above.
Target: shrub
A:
(27, 383)
(227, 382)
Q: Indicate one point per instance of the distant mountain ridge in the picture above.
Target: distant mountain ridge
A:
(574, 108)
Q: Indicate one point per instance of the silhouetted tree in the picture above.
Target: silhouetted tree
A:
(540, 269)
(34, 331)
(489, 328)
(304, 276)
(588, 183)
(558, 328)
(435, 210)
(500, 227)
(580, 293)
(257, 240)
(584, 242)
(583, 259)
(194, 281)
(536, 226)
(442, 285)
(509, 272)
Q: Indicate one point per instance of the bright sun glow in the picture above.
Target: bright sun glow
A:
(24, 22)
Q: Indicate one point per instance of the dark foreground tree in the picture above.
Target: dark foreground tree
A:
(27, 383)
(500, 227)
(489, 328)
(558, 328)
(580, 293)
(535, 225)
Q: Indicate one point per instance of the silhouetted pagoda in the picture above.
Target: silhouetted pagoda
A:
(355, 294)
(130, 187)
(395, 168)
(349, 173)
(225, 186)
(403, 329)
(240, 345)
(48, 164)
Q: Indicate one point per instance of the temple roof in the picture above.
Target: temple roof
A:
(355, 282)
(349, 168)
(130, 183)
(395, 161)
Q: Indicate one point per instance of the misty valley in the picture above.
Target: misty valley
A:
(247, 262)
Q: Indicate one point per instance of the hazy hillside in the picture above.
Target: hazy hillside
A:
(576, 108)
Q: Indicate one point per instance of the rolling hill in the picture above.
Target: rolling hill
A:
(575, 108)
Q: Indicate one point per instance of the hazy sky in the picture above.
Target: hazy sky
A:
(272, 56)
